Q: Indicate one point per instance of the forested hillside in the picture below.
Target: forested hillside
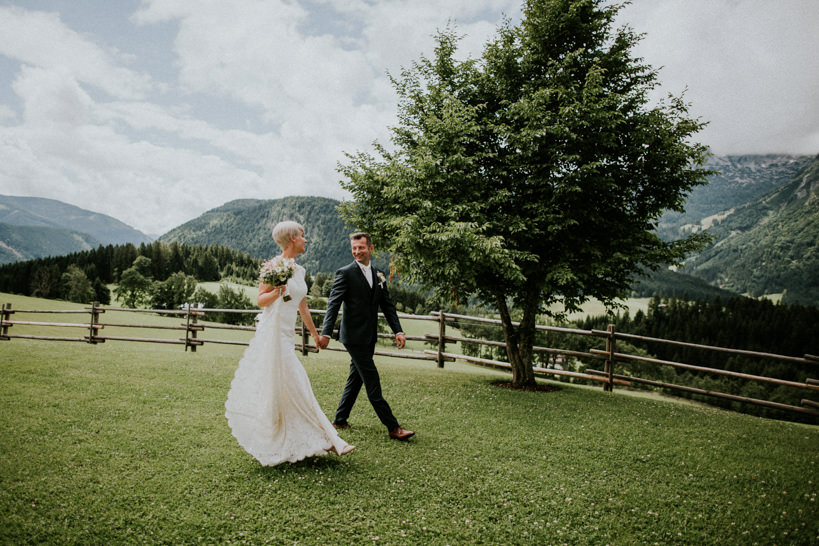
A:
(50, 213)
(19, 243)
(769, 246)
(672, 284)
(246, 225)
(738, 180)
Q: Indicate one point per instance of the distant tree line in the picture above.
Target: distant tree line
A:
(671, 284)
(739, 323)
(165, 276)
(155, 272)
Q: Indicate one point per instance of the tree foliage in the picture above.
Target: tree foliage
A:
(134, 287)
(535, 174)
(230, 298)
(173, 292)
(76, 286)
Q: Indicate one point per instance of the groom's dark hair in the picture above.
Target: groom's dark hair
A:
(362, 235)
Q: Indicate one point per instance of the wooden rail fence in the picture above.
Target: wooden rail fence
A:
(194, 330)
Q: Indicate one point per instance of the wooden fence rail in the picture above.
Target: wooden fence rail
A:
(194, 330)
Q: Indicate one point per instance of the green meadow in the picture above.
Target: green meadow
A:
(122, 443)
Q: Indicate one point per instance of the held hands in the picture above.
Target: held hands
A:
(317, 341)
(323, 341)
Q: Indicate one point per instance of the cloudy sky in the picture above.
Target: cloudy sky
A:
(154, 111)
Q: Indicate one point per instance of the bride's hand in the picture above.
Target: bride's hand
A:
(278, 290)
(317, 342)
(264, 288)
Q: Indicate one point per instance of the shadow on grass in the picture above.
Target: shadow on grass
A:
(319, 462)
(540, 387)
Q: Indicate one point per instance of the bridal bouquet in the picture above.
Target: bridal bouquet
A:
(277, 271)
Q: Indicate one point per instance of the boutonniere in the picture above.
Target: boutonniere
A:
(381, 279)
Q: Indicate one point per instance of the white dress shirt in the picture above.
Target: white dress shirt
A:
(368, 272)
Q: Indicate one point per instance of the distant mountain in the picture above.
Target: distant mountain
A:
(763, 209)
(41, 212)
(246, 225)
(770, 245)
(34, 227)
(741, 179)
(20, 243)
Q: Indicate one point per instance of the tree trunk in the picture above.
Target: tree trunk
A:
(519, 341)
(526, 336)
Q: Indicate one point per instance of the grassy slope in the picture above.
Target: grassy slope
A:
(126, 442)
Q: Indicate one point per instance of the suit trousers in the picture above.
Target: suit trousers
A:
(364, 372)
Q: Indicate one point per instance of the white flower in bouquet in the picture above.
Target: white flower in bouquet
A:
(277, 271)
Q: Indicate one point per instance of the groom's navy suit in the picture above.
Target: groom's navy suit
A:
(358, 332)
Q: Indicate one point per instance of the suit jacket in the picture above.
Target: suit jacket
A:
(359, 304)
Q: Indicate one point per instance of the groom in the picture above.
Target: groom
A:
(362, 289)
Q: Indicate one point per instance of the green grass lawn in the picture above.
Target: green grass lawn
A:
(127, 443)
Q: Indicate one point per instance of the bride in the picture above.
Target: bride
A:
(271, 408)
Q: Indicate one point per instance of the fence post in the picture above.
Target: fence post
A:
(441, 338)
(187, 326)
(4, 317)
(192, 318)
(93, 331)
(610, 349)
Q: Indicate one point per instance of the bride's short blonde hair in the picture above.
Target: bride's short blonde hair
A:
(283, 231)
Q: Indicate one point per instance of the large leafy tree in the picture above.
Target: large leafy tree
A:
(174, 291)
(135, 283)
(533, 175)
(76, 285)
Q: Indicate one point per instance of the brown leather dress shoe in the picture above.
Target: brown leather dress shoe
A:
(343, 426)
(401, 434)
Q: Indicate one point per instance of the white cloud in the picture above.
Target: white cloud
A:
(41, 39)
(68, 147)
(51, 96)
(750, 67)
(261, 98)
(254, 52)
(7, 114)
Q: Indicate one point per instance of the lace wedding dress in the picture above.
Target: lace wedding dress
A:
(271, 408)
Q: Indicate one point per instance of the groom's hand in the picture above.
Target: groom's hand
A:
(400, 340)
(323, 342)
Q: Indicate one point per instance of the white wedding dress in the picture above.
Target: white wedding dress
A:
(271, 408)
